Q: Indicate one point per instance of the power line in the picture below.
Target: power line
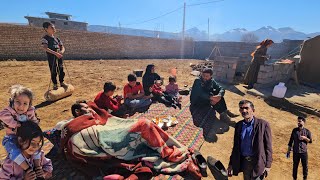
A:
(209, 2)
(155, 17)
(170, 12)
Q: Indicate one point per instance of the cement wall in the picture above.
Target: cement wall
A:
(24, 43)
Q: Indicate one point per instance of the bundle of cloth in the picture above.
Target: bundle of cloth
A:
(124, 148)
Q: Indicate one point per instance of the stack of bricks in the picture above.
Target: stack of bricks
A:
(270, 75)
(224, 69)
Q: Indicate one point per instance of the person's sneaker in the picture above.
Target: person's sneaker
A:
(64, 85)
(55, 87)
(230, 114)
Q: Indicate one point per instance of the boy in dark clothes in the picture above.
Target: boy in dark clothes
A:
(104, 100)
(54, 49)
(163, 97)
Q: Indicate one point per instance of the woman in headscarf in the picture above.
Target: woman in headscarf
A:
(258, 58)
(149, 78)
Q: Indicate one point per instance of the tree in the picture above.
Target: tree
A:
(249, 37)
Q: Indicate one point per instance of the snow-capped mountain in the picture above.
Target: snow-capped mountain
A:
(276, 35)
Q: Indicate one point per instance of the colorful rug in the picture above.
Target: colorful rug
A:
(185, 132)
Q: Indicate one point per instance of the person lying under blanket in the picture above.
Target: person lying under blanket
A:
(126, 148)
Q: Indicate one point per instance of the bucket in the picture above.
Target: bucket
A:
(138, 72)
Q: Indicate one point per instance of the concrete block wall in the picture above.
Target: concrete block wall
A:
(270, 75)
(224, 68)
(24, 43)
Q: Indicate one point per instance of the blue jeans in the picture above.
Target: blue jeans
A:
(137, 103)
(14, 153)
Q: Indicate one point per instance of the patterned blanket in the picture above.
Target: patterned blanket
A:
(139, 142)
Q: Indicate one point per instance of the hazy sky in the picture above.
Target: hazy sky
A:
(301, 15)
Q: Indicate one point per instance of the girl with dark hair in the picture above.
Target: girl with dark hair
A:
(258, 58)
(149, 79)
(19, 110)
(29, 141)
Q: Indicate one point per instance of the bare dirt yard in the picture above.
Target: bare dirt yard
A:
(88, 77)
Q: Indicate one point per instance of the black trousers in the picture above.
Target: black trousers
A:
(164, 99)
(56, 67)
(220, 107)
(296, 161)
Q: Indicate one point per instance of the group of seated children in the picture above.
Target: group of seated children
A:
(134, 98)
(23, 140)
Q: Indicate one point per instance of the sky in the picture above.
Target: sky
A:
(167, 15)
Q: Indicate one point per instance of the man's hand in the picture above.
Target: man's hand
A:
(230, 171)
(214, 99)
(304, 138)
(30, 175)
(150, 89)
(59, 55)
(266, 171)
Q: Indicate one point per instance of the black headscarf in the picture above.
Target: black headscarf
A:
(149, 78)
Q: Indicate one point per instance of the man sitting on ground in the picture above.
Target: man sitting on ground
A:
(206, 92)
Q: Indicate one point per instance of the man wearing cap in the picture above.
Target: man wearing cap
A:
(252, 145)
(300, 137)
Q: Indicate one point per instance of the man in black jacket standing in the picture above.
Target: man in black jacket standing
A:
(300, 137)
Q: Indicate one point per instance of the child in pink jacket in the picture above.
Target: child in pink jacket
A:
(20, 110)
(30, 142)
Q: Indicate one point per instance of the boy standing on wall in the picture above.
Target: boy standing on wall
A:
(54, 49)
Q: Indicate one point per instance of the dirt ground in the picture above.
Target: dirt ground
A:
(88, 78)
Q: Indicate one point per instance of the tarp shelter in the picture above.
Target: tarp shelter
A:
(309, 66)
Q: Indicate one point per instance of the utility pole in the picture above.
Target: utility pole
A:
(120, 27)
(208, 29)
(183, 29)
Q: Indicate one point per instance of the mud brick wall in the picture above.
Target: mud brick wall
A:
(270, 75)
(24, 43)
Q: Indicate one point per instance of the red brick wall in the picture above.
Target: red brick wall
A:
(24, 43)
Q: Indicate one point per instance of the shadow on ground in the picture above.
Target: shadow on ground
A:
(285, 105)
(206, 119)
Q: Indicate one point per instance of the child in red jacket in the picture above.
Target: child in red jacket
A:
(104, 100)
(162, 97)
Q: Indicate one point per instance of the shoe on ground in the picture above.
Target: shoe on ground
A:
(55, 87)
(217, 168)
(64, 85)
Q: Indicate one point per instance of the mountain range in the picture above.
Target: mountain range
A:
(276, 35)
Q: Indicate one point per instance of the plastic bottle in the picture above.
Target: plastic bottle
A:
(279, 90)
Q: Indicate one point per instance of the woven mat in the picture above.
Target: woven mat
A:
(185, 132)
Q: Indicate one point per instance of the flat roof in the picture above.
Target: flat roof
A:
(27, 17)
(52, 13)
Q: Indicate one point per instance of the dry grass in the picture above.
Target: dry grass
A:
(88, 78)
